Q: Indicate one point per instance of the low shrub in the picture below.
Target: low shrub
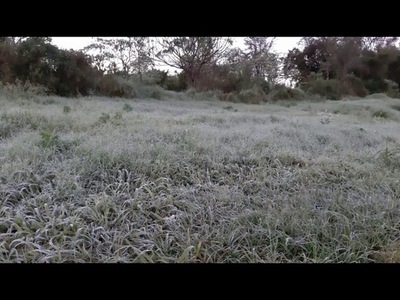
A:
(114, 86)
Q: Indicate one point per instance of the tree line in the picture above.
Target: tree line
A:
(332, 67)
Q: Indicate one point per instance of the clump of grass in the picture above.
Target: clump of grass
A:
(118, 116)
(325, 117)
(6, 130)
(104, 118)
(390, 157)
(66, 109)
(48, 139)
(380, 114)
(290, 160)
(52, 140)
(274, 119)
(127, 107)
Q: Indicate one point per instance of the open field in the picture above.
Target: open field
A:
(116, 180)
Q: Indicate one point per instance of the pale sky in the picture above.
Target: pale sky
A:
(282, 44)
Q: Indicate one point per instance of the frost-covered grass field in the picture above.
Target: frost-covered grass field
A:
(115, 180)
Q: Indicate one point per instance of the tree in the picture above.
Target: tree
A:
(263, 62)
(126, 56)
(299, 65)
(293, 63)
(8, 58)
(36, 61)
(191, 54)
(333, 57)
(344, 56)
(143, 60)
(74, 73)
(256, 64)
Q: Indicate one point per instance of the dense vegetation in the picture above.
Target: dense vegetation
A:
(329, 67)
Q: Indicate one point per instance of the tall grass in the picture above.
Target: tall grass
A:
(141, 180)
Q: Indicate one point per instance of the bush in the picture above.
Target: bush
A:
(328, 88)
(218, 77)
(375, 85)
(207, 95)
(252, 96)
(145, 91)
(231, 97)
(353, 86)
(115, 86)
(22, 90)
(175, 83)
(282, 92)
(73, 75)
(155, 77)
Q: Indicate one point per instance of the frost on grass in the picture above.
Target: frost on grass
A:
(186, 181)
